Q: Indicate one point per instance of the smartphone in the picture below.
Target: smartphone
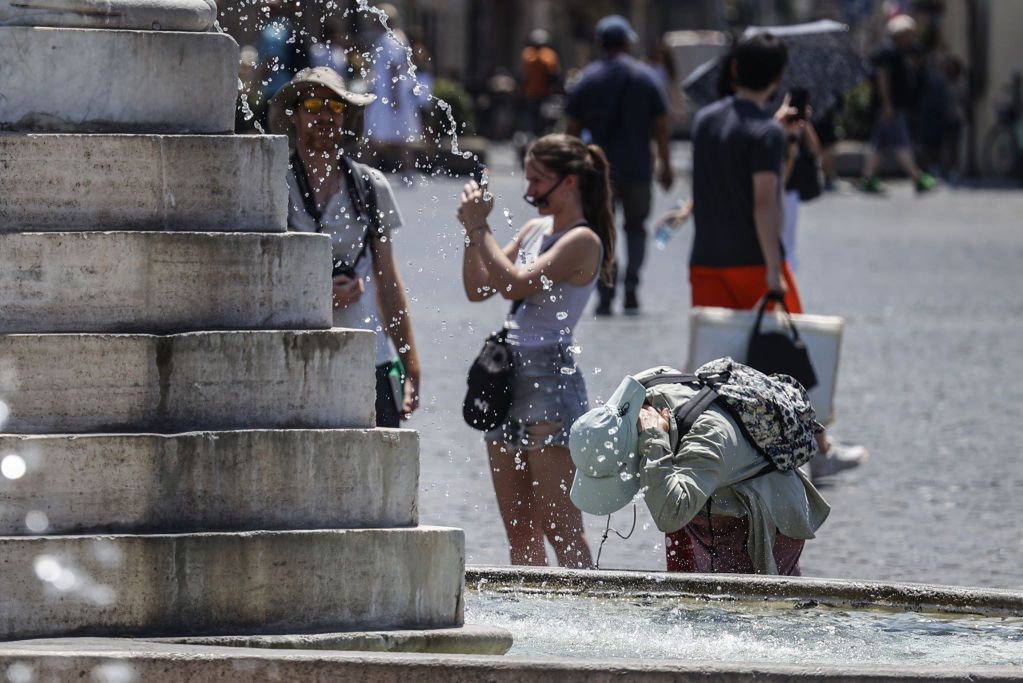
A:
(799, 99)
(479, 174)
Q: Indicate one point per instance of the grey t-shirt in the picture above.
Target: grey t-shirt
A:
(732, 139)
(347, 231)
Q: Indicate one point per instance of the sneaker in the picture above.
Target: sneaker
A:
(925, 182)
(872, 186)
(603, 309)
(839, 457)
(631, 303)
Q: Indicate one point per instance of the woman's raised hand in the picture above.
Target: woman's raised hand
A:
(475, 206)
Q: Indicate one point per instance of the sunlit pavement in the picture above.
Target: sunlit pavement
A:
(931, 377)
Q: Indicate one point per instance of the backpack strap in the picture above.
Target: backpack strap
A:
(687, 414)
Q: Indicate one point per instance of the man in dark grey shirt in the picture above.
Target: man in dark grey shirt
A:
(620, 102)
(738, 154)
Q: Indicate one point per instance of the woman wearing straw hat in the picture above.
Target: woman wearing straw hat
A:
(353, 203)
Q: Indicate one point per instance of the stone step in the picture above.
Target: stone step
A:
(143, 182)
(65, 80)
(266, 582)
(74, 383)
(163, 282)
(463, 640)
(211, 481)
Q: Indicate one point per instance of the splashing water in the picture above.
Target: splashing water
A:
(417, 88)
(676, 628)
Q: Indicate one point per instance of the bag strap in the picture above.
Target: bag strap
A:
(687, 414)
(774, 297)
(362, 196)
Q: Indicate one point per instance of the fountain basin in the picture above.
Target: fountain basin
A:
(742, 620)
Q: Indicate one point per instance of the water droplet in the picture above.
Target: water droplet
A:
(13, 466)
(37, 522)
(47, 568)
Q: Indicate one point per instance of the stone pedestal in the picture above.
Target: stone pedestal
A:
(74, 80)
(195, 448)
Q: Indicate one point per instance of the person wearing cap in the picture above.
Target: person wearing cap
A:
(620, 104)
(703, 487)
(352, 203)
(894, 95)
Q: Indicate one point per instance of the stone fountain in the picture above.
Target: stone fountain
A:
(189, 451)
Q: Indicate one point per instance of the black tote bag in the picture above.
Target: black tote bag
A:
(780, 352)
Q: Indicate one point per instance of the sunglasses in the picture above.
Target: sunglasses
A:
(314, 105)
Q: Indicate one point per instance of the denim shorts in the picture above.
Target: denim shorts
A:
(547, 387)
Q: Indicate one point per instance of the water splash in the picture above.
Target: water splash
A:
(677, 628)
(412, 69)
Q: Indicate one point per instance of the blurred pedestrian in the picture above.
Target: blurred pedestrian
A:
(279, 55)
(393, 121)
(331, 193)
(826, 126)
(894, 96)
(739, 151)
(332, 51)
(550, 270)
(619, 103)
(541, 76)
(802, 174)
(955, 119)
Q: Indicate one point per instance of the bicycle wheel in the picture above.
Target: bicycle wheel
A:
(1000, 152)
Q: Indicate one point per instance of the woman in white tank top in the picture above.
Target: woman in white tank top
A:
(552, 265)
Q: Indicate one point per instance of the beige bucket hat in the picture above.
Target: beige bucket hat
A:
(278, 109)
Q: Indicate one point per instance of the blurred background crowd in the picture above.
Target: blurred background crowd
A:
(503, 66)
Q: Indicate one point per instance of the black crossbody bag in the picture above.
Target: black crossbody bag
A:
(488, 393)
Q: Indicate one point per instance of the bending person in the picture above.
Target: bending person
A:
(552, 265)
(711, 485)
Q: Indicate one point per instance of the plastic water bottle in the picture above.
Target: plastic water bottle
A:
(666, 229)
(663, 233)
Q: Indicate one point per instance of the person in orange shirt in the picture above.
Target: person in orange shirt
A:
(541, 71)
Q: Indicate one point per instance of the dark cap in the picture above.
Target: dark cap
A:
(615, 30)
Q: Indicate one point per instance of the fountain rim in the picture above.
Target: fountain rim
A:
(844, 593)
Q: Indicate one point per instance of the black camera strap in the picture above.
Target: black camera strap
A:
(362, 197)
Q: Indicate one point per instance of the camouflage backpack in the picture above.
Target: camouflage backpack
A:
(772, 411)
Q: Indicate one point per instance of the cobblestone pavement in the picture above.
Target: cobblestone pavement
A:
(931, 376)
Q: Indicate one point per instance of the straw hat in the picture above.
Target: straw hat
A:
(278, 109)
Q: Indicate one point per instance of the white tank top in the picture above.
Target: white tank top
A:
(550, 315)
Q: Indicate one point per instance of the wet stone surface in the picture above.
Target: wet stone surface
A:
(929, 376)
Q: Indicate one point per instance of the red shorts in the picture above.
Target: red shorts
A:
(738, 287)
(719, 546)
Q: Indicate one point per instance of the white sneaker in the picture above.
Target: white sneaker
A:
(839, 457)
